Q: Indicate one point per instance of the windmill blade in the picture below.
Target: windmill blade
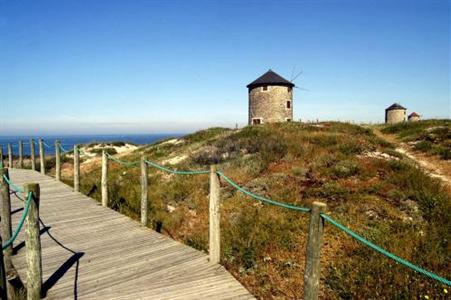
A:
(302, 89)
(299, 74)
(292, 73)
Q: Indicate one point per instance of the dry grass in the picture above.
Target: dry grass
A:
(391, 202)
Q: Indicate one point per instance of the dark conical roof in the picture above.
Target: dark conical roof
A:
(395, 106)
(414, 114)
(270, 78)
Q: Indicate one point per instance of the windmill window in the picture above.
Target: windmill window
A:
(288, 104)
(256, 121)
(288, 120)
(265, 88)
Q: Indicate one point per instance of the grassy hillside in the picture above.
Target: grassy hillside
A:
(429, 136)
(366, 184)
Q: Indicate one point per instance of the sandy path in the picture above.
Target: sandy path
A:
(434, 166)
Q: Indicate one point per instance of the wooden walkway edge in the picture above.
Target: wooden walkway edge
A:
(93, 252)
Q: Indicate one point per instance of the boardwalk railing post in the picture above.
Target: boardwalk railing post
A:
(76, 169)
(20, 155)
(3, 285)
(313, 254)
(32, 155)
(42, 156)
(214, 224)
(57, 160)
(144, 184)
(33, 244)
(5, 198)
(104, 183)
(10, 155)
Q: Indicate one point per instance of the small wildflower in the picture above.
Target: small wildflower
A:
(426, 297)
(445, 291)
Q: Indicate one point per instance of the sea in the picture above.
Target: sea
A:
(68, 141)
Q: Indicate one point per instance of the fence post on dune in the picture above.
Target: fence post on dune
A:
(3, 285)
(313, 254)
(20, 155)
(32, 155)
(42, 156)
(1, 157)
(104, 182)
(10, 155)
(214, 217)
(76, 169)
(57, 160)
(33, 244)
(5, 198)
(144, 185)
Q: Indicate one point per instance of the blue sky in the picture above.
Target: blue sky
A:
(153, 66)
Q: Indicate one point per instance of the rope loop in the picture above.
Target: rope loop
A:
(260, 198)
(63, 149)
(14, 187)
(21, 222)
(45, 144)
(121, 162)
(187, 172)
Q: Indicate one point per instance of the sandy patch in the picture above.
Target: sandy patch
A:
(175, 160)
(172, 142)
(379, 155)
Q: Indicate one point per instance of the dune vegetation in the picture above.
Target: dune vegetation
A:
(366, 184)
(428, 136)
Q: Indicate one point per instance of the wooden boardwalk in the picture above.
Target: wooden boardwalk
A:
(92, 252)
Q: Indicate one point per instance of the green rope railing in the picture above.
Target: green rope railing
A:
(14, 187)
(121, 162)
(260, 198)
(187, 172)
(63, 149)
(47, 145)
(21, 222)
(385, 252)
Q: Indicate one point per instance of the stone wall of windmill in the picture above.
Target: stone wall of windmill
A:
(271, 104)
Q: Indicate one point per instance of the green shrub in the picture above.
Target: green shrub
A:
(350, 148)
(205, 135)
(444, 153)
(424, 146)
(345, 169)
(108, 150)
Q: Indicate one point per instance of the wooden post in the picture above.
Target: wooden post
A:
(57, 160)
(104, 182)
(214, 239)
(42, 156)
(20, 154)
(6, 209)
(76, 169)
(1, 157)
(3, 285)
(144, 184)
(10, 156)
(33, 244)
(32, 155)
(314, 243)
